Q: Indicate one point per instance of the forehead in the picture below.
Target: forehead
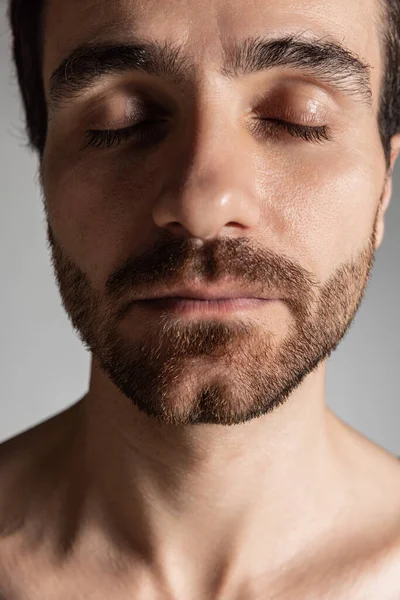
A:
(205, 28)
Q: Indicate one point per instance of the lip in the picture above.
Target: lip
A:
(203, 308)
(197, 293)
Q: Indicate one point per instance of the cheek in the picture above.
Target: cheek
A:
(100, 214)
(322, 209)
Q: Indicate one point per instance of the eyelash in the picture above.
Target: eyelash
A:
(98, 138)
(314, 134)
(145, 132)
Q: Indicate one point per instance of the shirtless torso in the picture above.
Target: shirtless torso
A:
(359, 562)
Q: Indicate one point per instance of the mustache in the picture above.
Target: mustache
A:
(173, 261)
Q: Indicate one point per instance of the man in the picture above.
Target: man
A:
(215, 178)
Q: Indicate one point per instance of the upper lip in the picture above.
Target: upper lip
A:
(209, 293)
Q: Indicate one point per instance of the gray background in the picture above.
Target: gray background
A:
(44, 368)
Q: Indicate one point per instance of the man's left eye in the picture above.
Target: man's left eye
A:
(308, 133)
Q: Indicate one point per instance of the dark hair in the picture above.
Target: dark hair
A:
(389, 106)
(27, 47)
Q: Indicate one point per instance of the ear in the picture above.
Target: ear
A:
(387, 190)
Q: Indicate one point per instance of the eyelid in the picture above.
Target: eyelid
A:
(128, 120)
(118, 111)
(293, 116)
(113, 125)
(292, 106)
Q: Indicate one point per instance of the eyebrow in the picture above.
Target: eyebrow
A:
(327, 61)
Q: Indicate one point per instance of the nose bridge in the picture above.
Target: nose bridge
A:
(215, 162)
(211, 183)
(216, 141)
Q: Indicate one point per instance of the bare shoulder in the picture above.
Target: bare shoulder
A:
(358, 556)
(39, 435)
(29, 464)
(27, 456)
(373, 528)
(19, 454)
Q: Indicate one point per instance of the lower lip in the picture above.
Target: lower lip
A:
(204, 307)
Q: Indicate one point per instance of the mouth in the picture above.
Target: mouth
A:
(232, 292)
(203, 307)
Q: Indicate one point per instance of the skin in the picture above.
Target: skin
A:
(181, 474)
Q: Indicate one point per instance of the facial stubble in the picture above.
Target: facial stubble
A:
(213, 371)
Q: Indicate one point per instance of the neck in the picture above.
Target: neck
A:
(254, 493)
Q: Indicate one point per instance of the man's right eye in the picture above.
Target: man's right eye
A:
(144, 132)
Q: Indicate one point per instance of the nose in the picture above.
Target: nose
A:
(211, 187)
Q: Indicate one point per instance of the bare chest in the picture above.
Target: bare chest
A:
(21, 583)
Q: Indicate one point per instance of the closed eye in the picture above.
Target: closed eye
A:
(306, 132)
(145, 131)
(151, 132)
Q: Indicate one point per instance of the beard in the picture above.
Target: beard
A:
(216, 371)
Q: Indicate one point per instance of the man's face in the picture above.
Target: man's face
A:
(286, 209)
